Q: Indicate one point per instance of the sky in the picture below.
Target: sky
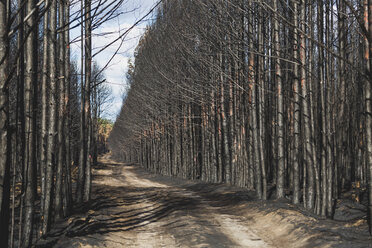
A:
(115, 74)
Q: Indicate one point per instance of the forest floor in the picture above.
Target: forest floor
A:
(134, 208)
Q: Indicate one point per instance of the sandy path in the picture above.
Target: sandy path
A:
(130, 210)
(135, 208)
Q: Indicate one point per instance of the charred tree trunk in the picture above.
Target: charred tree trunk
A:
(88, 78)
(308, 148)
(296, 122)
(82, 141)
(261, 106)
(61, 160)
(51, 156)
(278, 78)
(67, 172)
(30, 94)
(253, 108)
(368, 102)
(44, 106)
(5, 145)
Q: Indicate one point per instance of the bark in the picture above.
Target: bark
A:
(44, 106)
(61, 160)
(368, 102)
(261, 107)
(30, 124)
(296, 124)
(314, 120)
(308, 148)
(253, 110)
(18, 153)
(88, 78)
(82, 141)
(330, 169)
(4, 126)
(51, 142)
(225, 144)
(21, 106)
(342, 30)
(232, 129)
(218, 125)
(278, 78)
(88, 170)
(323, 100)
(67, 177)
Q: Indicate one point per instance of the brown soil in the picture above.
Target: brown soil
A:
(133, 208)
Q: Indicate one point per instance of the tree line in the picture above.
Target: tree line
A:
(49, 112)
(270, 95)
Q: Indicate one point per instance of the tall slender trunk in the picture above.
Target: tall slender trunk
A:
(296, 124)
(261, 106)
(67, 176)
(88, 77)
(306, 113)
(61, 160)
(278, 78)
(330, 164)
(225, 144)
(232, 129)
(341, 133)
(21, 105)
(322, 89)
(368, 102)
(95, 126)
(44, 106)
(88, 170)
(218, 126)
(52, 123)
(253, 107)
(30, 124)
(5, 145)
(310, 89)
(82, 140)
(19, 132)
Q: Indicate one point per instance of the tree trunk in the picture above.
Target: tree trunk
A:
(322, 89)
(306, 114)
(20, 102)
(4, 126)
(330, 157)
(82, 140)
(368, 102)
(20, 130)
(278, 78)
(52, 117)
(30, 123)
(44, 106)
(253, 107)
(88, 77)
(68, 126)
(261, 105)
(225, 146)
(296, 124)
(61, 161)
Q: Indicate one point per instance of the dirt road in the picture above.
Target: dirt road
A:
(132, 208)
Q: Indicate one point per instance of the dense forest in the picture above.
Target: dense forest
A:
(51, 129)
(270, 95)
